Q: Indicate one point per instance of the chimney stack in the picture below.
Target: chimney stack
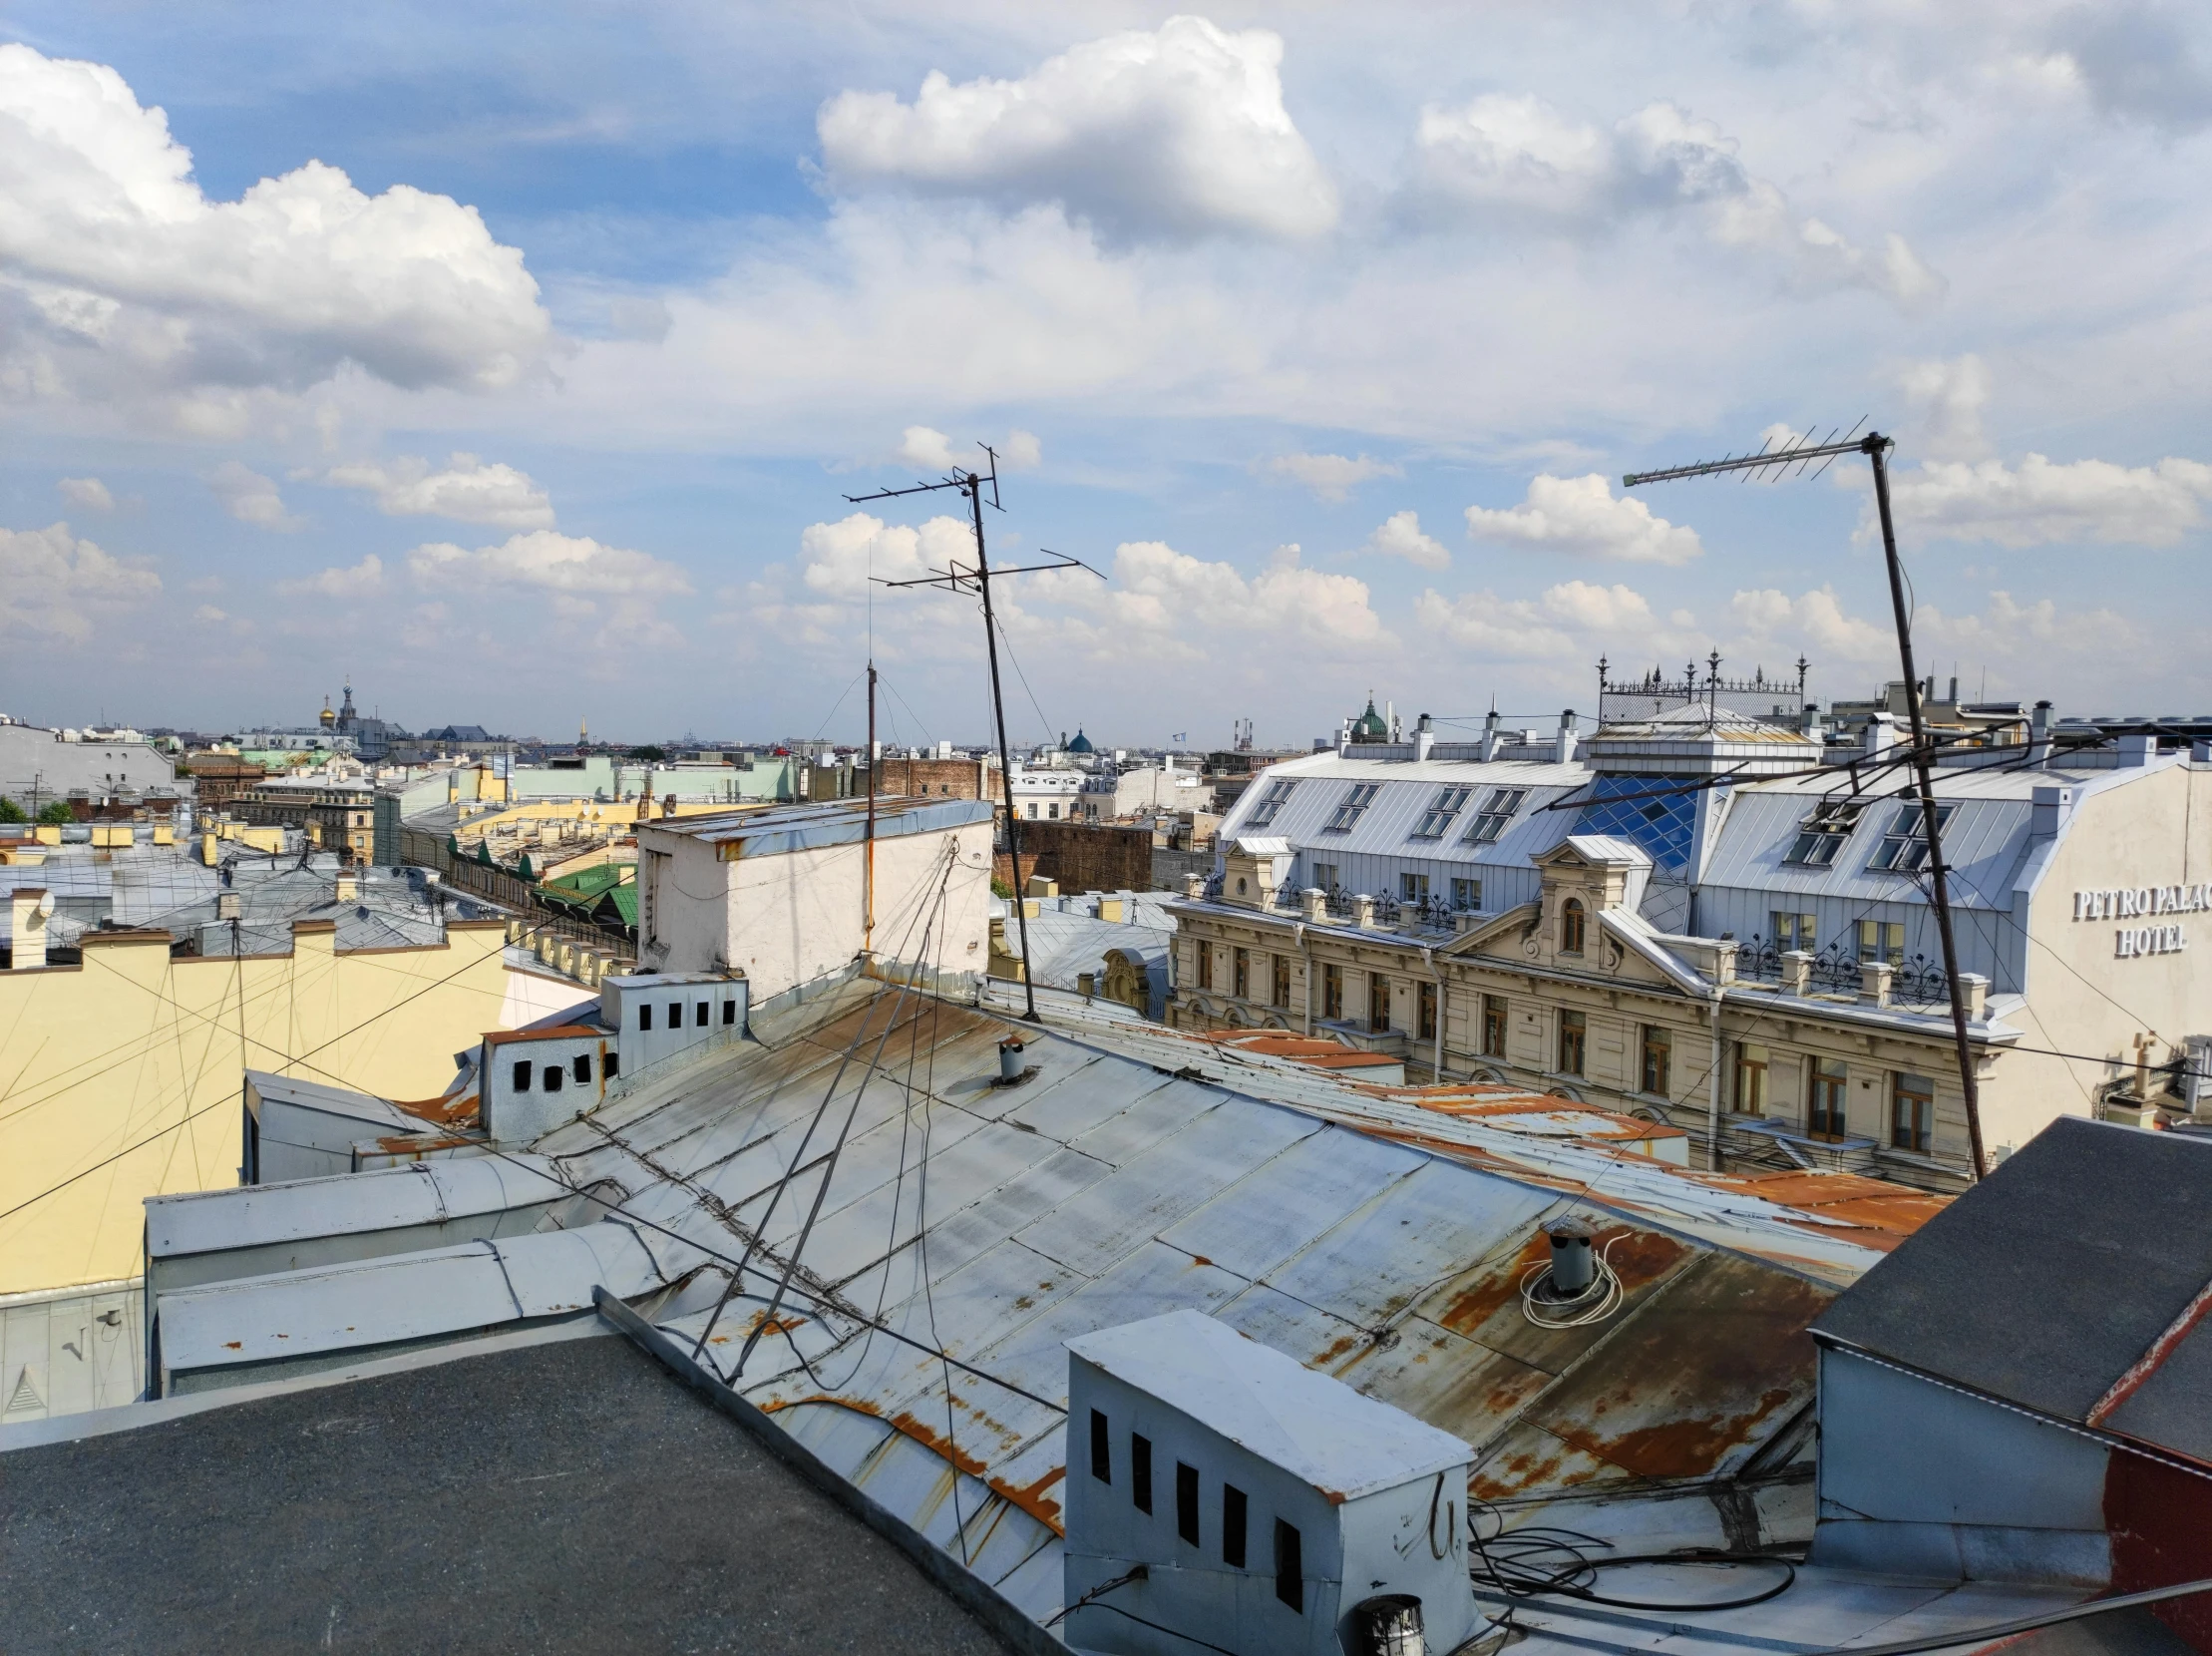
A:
(1562, 748)
(2038, 736)
(1490, 737)
(1881, 735)
(28, 911)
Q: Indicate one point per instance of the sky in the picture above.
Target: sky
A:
(515, 362)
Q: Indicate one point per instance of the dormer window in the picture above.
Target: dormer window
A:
(1438, 817)
(1270, 802)
(1356, 800)
(1496, 812)
(1821, 835)
(1904, 849)
(1574, 921)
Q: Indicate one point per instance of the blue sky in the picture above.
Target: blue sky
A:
(516, 360)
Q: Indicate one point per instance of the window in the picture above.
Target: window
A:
(1658, 1060)
(1412, 888)
(1466, 896)
(1281, 985)
(1356, 800)
(1573, 1042)
(1493, 1026)
(582, 1068)
(1232, 1526)
(1378, 1003)
(1496, 812)
(1332, 991)
(1793, 931)
(1186, 1503)
(1240, 974)
(645, 1016)
(1425, 1019)
(1289, 1566)
(1751, 1083)
(1102, 1449)
(1270, 802)
(1205, 966)
(1827, 1085)
(1882, 939)
(1821, 835)
(676, 1015)
(1904, 849)
(1438, 817)
(1052, 812)
(703, 1017)
(1139, 1472)
(521, 1076)
(554, 1074)
(1912, 1112)
(729, 1012)
(1572, 924)
(611, 1067)
(1324, 876)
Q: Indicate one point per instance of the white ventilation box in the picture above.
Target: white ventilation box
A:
(1266, 1501)
(655, 1016)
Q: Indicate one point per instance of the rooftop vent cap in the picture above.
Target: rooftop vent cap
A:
(1388, 1624)
(1573, 1266)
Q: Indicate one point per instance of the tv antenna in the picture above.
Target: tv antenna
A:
(1801, 451)
(961, 577)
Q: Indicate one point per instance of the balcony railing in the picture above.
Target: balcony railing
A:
(1917, 981)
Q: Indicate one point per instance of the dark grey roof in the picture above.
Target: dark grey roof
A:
(566, 1496)
(2051, 1278)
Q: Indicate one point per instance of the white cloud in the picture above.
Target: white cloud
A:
(1179, 131)
(1520, 156)
(1400, 535)
(2023, 642)
(1161, 591)
(59, 585)
(251, 498)
(1331, 477)
(838, 560)
(87, 492)
(1951, 395)
(550, 563)
(1593, 609)
(113, 264)
(2043, 501)
(1814, 621)
(933, 450)
(1567, 621)
(1581, 516)
(208, 615)
(464, 489)
(360, 581)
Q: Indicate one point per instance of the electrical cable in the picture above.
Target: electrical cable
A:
(1139, 1573)
(1593, 1305)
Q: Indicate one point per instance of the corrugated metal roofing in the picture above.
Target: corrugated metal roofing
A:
(420, 1193)
(777, 829)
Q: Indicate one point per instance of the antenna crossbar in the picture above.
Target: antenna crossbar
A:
(1800, 454)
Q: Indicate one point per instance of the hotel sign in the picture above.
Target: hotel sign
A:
(2144, 903)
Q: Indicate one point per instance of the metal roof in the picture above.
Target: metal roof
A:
(777, 829)
(2069, 1281)
(420, 1193)
(1317, 1428)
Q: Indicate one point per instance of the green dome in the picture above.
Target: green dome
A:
(1369, 727)
(1082, 743)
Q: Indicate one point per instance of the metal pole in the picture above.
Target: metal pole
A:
(1876, 447)
(867, 875)
(1006, 762)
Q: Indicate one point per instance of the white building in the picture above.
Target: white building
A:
(1702, 918)
(782, 895)
(1109, 795)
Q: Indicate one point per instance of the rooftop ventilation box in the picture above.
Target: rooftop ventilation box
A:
(659, 1014)
(1273, 1510)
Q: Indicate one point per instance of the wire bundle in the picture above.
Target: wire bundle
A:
(1545, 1560)
(1593, 1305)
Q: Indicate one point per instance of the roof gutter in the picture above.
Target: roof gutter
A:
(1713, 1125)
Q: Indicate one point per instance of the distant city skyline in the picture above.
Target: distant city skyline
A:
(520, 362)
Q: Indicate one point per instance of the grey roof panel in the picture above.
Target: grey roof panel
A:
(2044, 1283)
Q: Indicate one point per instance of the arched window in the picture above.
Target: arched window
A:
(1570, 923)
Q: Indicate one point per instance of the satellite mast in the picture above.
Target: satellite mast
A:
(1800, 453)
(961, 579)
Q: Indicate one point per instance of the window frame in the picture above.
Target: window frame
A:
(1904, 849)
(1922, 1134)
(1279, 985)
(1466, 896)
(1412, 887)
(1442, 810)
(1497, 1026)
(1881, 939)
(1574, 1040)
(1656, 1041)
(1378, 1004)
(1332, 992)
(1497, 812)
(1747, 1085)
(1424, 1011)
(1270, 804)
(1574, 927)
(1825, 1089)
(1352, 807)
(1205, 963)
(1824, 832)
(1793, 931)
(1240, 972)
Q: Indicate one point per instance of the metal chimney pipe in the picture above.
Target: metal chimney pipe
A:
(1573, 1270)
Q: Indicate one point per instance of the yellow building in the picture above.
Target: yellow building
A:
(120, 1080)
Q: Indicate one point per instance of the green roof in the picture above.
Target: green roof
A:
(625, 903)
(590, 884)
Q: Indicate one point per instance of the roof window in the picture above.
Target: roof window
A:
(1348, 810)
(1277, 796)
(1821, 835)
(1438, 817)
(1904, 849)
(1496, 812)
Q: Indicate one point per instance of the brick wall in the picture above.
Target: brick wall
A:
(1082, 857)
(937, 778)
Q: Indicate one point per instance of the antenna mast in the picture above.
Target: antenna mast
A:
(1801, 452)
(961, 578)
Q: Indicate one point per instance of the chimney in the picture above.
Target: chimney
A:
(2049, 811)
(1491, 736)
(1814, 731)
(1881, 735)
(2038, 736)
(1954, 689)
(28, 911)
(349, 887)
(1562, 748)
(1424, 737)
(2138, 752)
